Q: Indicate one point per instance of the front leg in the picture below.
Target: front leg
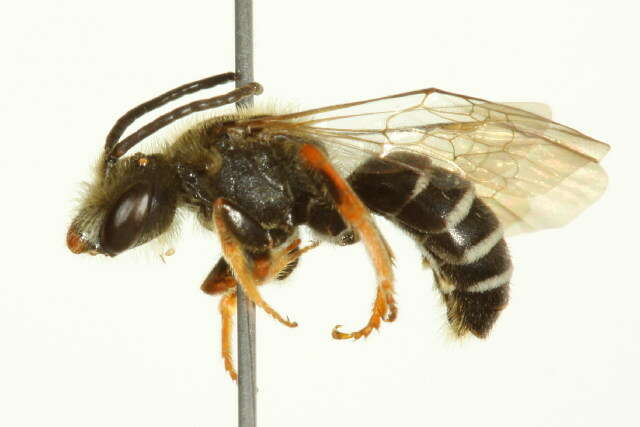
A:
(221, 279)
(247, 249)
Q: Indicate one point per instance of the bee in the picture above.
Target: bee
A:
(456, 173)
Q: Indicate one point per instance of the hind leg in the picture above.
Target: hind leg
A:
(357, 216)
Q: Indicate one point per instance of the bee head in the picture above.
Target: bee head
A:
(132, 205)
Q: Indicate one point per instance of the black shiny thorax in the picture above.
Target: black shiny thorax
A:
(261, 176)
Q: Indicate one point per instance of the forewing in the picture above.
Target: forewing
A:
(534, 173)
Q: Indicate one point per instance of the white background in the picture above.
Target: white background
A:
(89, 341)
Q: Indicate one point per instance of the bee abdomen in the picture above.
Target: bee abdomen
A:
(472, 268)
(459, 236)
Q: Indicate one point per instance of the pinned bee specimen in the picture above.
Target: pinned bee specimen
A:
(456, 173)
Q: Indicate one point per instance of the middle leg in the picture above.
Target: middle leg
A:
(227, 310)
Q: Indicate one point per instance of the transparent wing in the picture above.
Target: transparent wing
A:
(534, 173)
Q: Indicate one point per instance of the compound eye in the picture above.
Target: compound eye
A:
(126, 220)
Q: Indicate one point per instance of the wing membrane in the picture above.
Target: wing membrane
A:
(533, 172)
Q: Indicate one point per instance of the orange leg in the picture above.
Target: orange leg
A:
(268, 267)
(220, 279)
(286, 256)
(227, 309)
(357, 215)
(249, 278)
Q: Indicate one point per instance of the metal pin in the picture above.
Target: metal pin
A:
(246, 309)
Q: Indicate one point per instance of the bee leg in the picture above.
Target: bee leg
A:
(219, 280)
(284, 261)
(248, 272)
(357, 216)
(227, 309)
(324, 219)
